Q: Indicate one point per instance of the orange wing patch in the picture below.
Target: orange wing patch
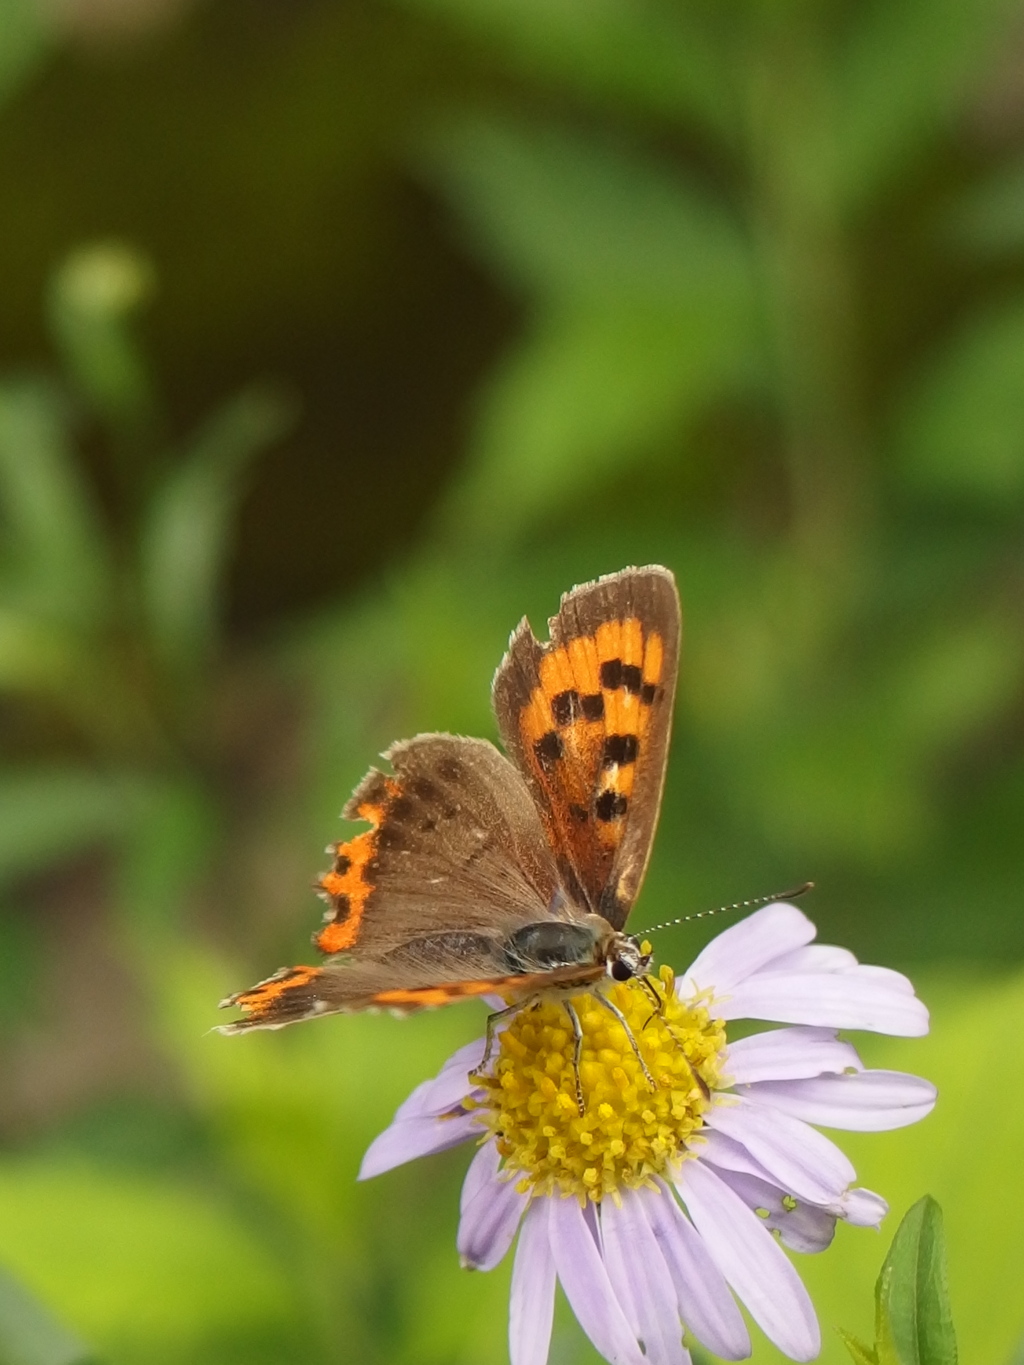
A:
(584, 730)
(347, 887)
(287, 995)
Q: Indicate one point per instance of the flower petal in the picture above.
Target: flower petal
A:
(412, 1138)
(727, 1154)
(532, 1302)
(815, 957)
(855, 999)
(788, 1054)
(751, 1260)
(637, 1268)
(801, 1226)
(587, 1285)
(869, 1102)
(706, 1305)
(490, 1212)
(825, 957)
(863, 1208)
(798, 1158)
(448, 1088)
(745, 947)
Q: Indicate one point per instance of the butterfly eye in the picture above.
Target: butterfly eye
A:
(621, 971)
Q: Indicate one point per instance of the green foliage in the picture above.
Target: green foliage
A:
(186, 537)
(767, 273)
(24, 30)
(29, 1335)
(913, 1321)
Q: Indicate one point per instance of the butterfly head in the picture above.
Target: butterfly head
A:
(627, 957)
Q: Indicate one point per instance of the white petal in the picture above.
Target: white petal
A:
(788, 1053)
(825, 957)
(863, 1208)
(796, 1156)
(853, 999)
(413, 1138)
(885, 976)
(815, 957)
(532, 1302)
(642, 1280)
(448, 1088)
(801, 1226)
(869, 1102)
(705, 1304)
(745, 947)
(751, 1260)
(729, 1155)
(587, 1285)
(490, 1212)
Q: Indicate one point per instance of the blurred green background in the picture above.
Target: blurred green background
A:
(334, 336)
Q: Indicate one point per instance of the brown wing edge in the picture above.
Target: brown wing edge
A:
(650, 594)
(295, 994)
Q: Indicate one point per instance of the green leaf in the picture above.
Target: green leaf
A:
(94, 296)
(644, 303)
(658, 56)
(592, 390)
(862, 1355)
(903, 77)
(29, 1334)
(24, 29)
(912, 1293)
(187, 532)
(886, 1349)
(151, 1269)
(570, 216)
(51, 813)
(962, 428)
(989, 219)
(56, 562)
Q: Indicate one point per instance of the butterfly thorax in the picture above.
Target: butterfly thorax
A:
(586, 941)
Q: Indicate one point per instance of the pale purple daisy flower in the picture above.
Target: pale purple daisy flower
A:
(656, 1209)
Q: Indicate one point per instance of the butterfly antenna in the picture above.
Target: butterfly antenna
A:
(737, 905)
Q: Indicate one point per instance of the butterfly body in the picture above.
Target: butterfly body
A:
(482, 874)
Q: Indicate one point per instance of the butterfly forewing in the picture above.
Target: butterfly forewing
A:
(454, 862)
(587, 717)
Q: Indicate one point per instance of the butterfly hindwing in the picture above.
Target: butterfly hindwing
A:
(587, 717)
(442, 977)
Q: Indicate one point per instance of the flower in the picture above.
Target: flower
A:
(655, 1207)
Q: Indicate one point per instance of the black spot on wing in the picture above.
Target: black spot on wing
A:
(610, 806)
(565, 707)
(549, 748)
(342, 864)
(593, 706)
(632, 678)
(611, 674)
(616, 674)
(648, 693)
(619, 750)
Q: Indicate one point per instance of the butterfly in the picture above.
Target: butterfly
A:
(510, 875)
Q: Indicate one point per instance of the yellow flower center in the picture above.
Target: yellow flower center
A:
(628, 1131)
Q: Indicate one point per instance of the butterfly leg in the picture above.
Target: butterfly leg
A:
(609, 1005)
(489, 1035)
(577, 1053)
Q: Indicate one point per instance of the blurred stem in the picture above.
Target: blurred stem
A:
(809, 293)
